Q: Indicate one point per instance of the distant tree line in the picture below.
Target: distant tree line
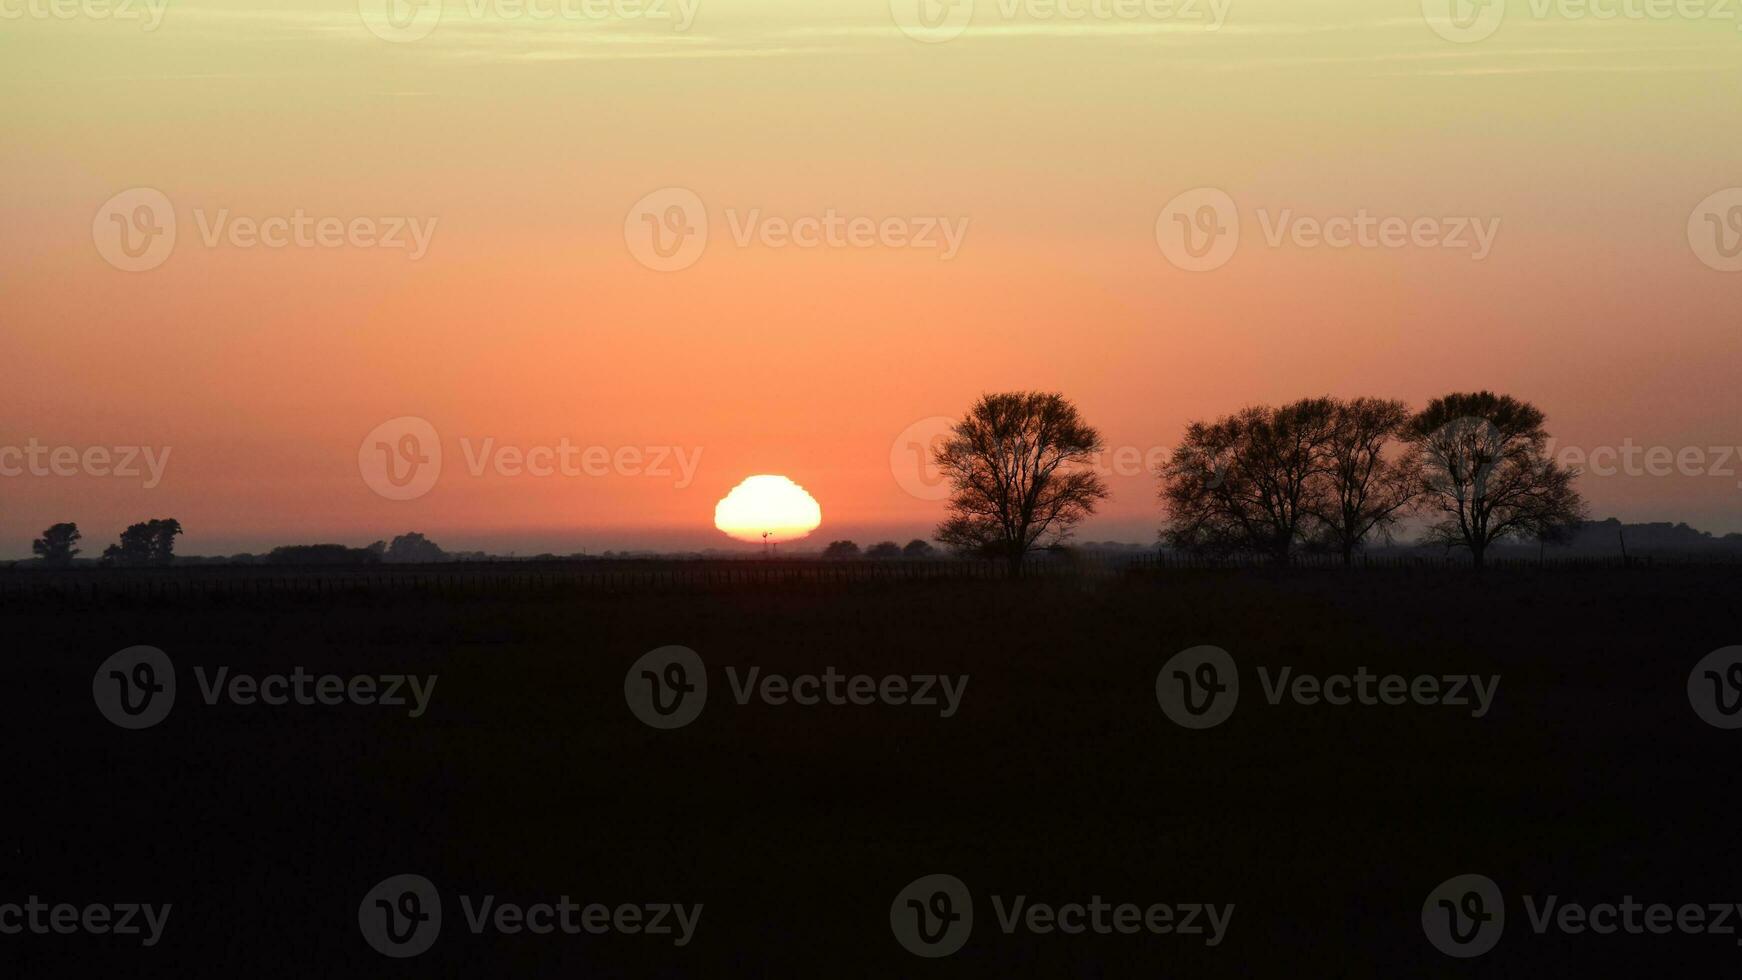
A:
(1321, 474)
(147, 543)
(152, 543)
(406, 549)
(1325, 474)
(881, 551)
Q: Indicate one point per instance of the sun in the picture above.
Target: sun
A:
(767, 508)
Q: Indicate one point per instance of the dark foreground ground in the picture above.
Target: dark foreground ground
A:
(1591, 778)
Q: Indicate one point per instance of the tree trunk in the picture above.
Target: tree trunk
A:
(1478, 551)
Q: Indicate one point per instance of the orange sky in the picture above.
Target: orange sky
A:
(530, 320)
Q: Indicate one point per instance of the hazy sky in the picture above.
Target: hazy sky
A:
(521, 147)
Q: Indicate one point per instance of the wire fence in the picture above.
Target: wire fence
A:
(527, 578)
(487, 578)
(1169, 561)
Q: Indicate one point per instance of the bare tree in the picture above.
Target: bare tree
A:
(1486, 473)
(1249, 483)
(1018, 466)
(1366, 492)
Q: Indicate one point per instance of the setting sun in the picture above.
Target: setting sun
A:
(1243, 422)
(767, 508)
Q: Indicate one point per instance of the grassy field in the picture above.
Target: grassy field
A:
(1058, 777)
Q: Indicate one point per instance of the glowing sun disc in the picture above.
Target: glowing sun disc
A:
(767, 508)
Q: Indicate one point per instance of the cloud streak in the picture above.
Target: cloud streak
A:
(462, 37)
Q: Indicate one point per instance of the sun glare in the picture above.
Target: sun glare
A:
(767, 508)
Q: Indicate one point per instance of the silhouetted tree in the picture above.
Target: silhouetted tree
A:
(883, 549)
(55, 547)
(1249, 483)
(1486, 473)
(1018, 466)
(841, 549)
(1365, 490)
(148, 543)
(917, 548)
(413, 547)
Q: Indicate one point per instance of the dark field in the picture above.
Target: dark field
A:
(1060, 778)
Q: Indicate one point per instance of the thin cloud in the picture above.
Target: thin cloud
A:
(1238, 46)
(1561, 69)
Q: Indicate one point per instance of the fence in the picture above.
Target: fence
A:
(1176, 561)
(518, 578)
(490, 578)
